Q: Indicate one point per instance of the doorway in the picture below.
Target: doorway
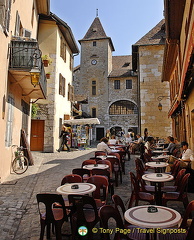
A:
(99, 133)
(37, 135)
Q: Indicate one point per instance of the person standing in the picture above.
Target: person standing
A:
(145, 134)
(65, 136)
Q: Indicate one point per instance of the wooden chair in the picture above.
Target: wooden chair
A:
(54, 213)
(180, 196)
(71, 178)
(101, 193)
(83, 172)
(137, 195)
(84, 213)
(108, 212)
(100, 153)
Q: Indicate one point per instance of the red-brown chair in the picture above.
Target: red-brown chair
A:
(180, 196)
(116, 169)
(87, 162)
(71, 178)
(106, 213)
(137, 195)
(83, 172)
(101, 193)
(100, 153)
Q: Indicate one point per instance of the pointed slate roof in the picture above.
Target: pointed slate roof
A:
(96, 32)
(156, 35)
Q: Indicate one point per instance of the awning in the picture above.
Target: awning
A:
(82, 121)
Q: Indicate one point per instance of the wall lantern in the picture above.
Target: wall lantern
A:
(160, 104)
(35, 76)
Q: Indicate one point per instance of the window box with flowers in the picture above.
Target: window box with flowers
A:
(46, 60)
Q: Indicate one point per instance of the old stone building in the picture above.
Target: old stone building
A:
(147, 54)
(105, 84)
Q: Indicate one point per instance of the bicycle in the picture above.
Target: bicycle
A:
(20, 163)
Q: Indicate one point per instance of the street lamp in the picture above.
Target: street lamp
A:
(35, 76)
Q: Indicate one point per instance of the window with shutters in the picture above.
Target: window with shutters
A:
(7, 16)
(62, 83)
(70, 93)
(63, 49)
(25, 115)
(9, 127)
(18, 26)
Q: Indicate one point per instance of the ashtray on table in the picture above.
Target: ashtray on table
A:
(152, 209)
(159, 175)
(75, 186)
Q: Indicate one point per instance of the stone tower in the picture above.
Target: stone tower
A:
(96, 64)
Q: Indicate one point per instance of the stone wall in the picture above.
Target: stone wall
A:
(151, 87)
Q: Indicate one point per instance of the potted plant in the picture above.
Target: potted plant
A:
(48, 74)
(46, 60)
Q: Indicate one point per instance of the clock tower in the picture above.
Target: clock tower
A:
(95, 66)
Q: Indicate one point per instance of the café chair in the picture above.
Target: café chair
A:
(84, 213)
(71, 178)
(54, 213)
(143, 186)
(101, 193)
(106, 173)
(180, 195)
(177, 183)
(106, 213)
(119, 205)
(87, 162)
(116, 169)
(100, 153)
(136, 193)
(186, 223)
(83, 172)
(122, 154)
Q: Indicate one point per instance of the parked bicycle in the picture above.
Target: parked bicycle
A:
(20, 162)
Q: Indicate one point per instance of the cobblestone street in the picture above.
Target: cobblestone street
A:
(18, 207)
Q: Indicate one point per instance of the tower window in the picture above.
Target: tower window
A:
(94, 44)
(117, 84)
(93, 112)
(129, 84)
(93, 87)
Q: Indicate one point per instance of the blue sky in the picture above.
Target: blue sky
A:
(125, 21)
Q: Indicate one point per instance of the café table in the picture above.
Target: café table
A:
(164, 217)
(93, 166)
(160, 151)
(158, 179)
(159, 166)
(160, 157)
(103, 157)
(83, 188)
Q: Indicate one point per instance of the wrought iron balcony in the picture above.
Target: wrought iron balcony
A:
(25, 55)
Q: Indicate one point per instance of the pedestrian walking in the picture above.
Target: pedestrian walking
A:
(65, 136)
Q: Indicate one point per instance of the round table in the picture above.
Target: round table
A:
(158, 178)
(84, 188)
(157, 165)
(93, 166)
(160, 157)
(160, 151)
(164, 218)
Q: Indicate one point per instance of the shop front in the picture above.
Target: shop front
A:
(81, 131)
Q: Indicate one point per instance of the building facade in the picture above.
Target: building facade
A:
(19, 56)
(56, 41)
(178, 67)
(105, 85)
(147, 54)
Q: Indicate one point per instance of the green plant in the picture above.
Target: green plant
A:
(34, 110)
(46, 57)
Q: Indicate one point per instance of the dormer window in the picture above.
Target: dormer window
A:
(126, 64)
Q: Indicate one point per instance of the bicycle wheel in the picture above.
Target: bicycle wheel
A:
(20, 164)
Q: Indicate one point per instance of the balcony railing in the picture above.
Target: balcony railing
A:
(25, 55)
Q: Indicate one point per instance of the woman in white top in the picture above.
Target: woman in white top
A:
(113, 140)
(102, 146)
